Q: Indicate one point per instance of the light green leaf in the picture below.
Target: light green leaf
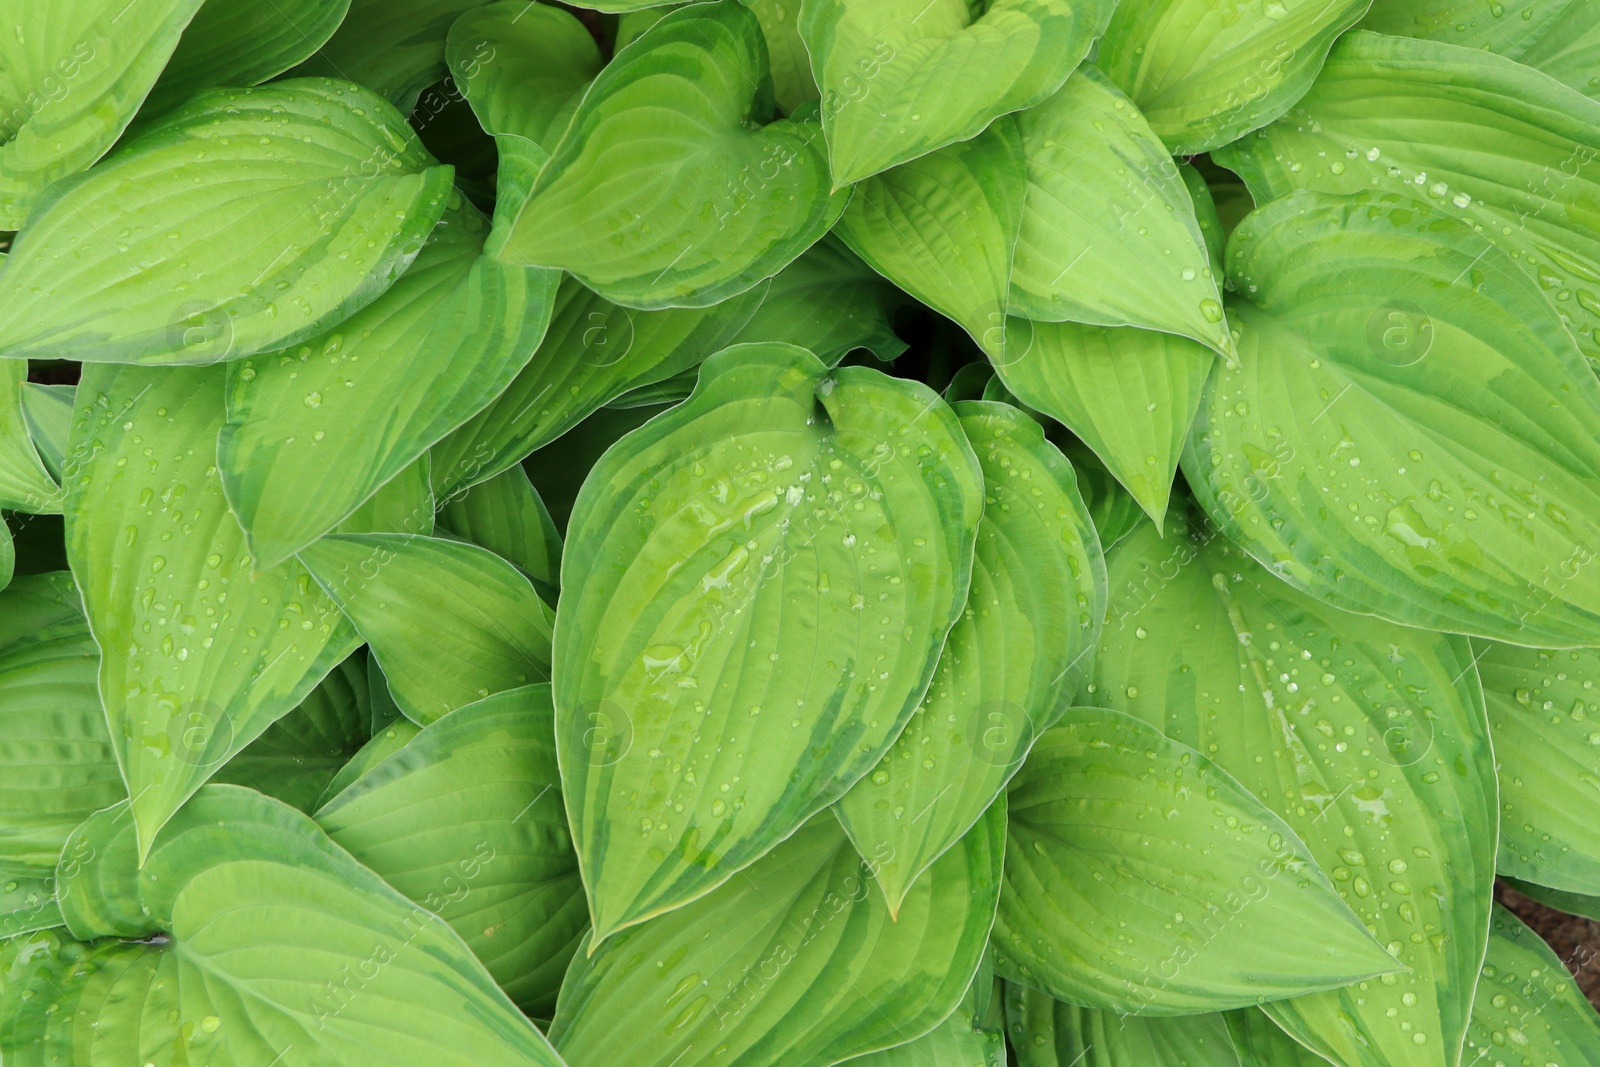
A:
(56, 761)
(1559, 37)
(1260, 1042)
(1129, 394)
(1109, 234)
(1048, 1033)
(1020, 651)
(277, 945)
(47, 410)
(1420, 440)
(1142, 878)
(943, 227)
(394, 47)
(1205, 213)
(795, 960)
(506, 516)
(403, 504)
(782, 498)
(296, 758)
(25, 484)
(674, 186)
(1205, 73)
(901, 78)
(247, 220)
(830, 302)
(1369, 739)
(1387, 114)
(523, 66)
(75, 74)
(242, 42)
(315, 430)
(202, 650)
(953, 1043)
(386, 741)
(27, 904)
(1528, 1012)
(449, 622)
(1547, 749)
(792, 83)
(467, 821)
(593, 351)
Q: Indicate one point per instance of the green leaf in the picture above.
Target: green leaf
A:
(1129, 394)
(275, 939)
(295, 759)
(943, 227)
(1418, 441)
(1260, 1042)
(1205, 74)
(887, 69)
(830, 302)
(202, 650)
(1205, 213)
(1571, 903)
(593, 351)
(315, 430)
(380, 702)
(1109, 234)
(403, 504)
(28, 904)
(56, 761)
(25, 483)
(1547, 749)
(8, 554)
(558, 470)
(1387, 115)
(1115, 512)
(1528, 1012)
(1142, 878)
(386, 741)
(467, 821)
(506, 516)
(1559, 37)
(674, 186)
(1369, 739)
(780, 499)
(47, 410)
(394, 47)
(449, 622)
(76, 72)
(792, 83)
(242, 42)
(1048, 1033)
(953, 1043)
(1020, 651)
(794, 961)
(523, 66)
(247, 220)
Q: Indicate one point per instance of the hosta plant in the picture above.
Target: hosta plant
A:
(774, 533)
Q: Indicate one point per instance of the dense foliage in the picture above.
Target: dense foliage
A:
(930, 533)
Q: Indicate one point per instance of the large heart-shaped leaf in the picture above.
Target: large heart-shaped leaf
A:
(450, 622)
(1387, 114)
(276, 946)
(593, 352)
(242, 42)
(75, 74)
(56, 761)
(1021, 647)
(201, 651)
(467, 821)
(673, 186)
(25, 484)
(1047, 1033)
(1109, 234)
(523, 66)
(1420, 440)
(1528, 1007)
(245, 221)
(1546, 733)
(780, 499)
(294, 760)
(943, 227)
(1205, 73)
(1369, 739)
(1559, 37)
(1129, 394)
(315, 430)
(506, 516)
(395, 47)
(1142, 878)
(795, 960)
(900, 78)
